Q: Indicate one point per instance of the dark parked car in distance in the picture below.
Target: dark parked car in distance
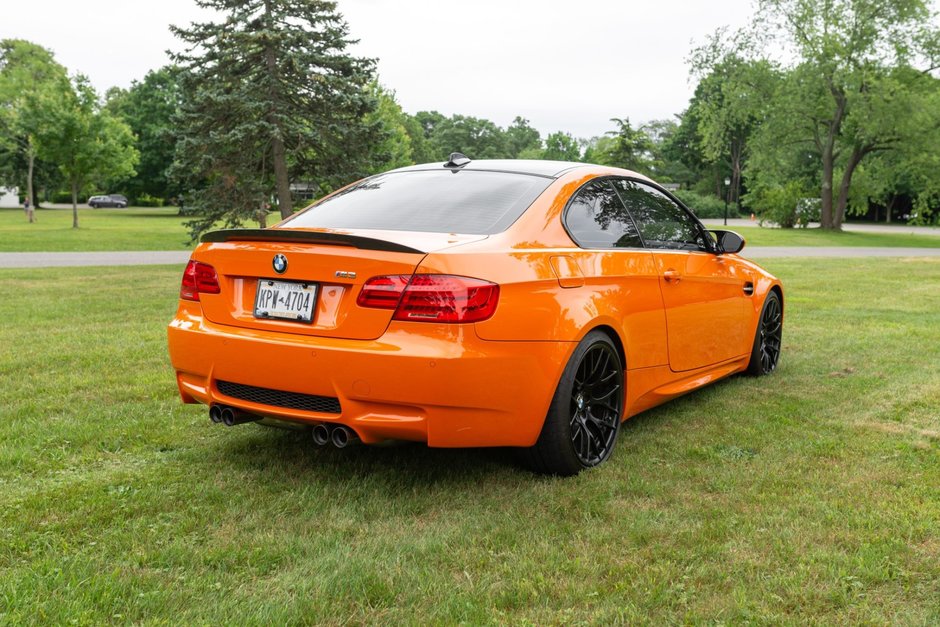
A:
(111, 200)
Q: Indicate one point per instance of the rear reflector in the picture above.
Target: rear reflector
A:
(198, 278)
(431, 297)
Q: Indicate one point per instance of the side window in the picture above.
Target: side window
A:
(597, 219)
(662, 222)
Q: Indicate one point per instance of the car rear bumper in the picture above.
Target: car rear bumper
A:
(439, 384)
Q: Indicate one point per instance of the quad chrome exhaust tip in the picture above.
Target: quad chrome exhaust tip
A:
(342, 436)
(321, 435)
(339, 436)
(230, 416)
(215, 414)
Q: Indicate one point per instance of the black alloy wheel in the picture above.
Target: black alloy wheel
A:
(769, 337)
(584, 418)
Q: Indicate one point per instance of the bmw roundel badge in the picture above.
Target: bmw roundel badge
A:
(279, 263)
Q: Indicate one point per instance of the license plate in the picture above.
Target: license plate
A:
(285, 300)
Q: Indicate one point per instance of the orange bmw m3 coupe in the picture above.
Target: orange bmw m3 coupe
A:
(532, 304)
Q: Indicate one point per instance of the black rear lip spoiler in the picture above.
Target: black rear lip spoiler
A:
(306, 237)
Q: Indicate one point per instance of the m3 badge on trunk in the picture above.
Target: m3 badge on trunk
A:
(279, 263)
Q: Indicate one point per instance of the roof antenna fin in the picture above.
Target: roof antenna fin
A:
(457, 160)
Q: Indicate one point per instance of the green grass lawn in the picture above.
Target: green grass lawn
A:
(767, 236)
(163, 229)
(99, 229)
(811, 496)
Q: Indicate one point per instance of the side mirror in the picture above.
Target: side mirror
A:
(728, 242)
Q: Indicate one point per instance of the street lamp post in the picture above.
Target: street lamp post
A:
(727, 193)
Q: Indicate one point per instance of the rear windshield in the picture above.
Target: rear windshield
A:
(435, 201)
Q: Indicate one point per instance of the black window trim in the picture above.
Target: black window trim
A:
(606, 180)
(611, 177)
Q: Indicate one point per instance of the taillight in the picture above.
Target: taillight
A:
(198, 278)
(431, 297)
(383, 292)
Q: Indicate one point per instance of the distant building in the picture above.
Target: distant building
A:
(672, 186)
(9, 197)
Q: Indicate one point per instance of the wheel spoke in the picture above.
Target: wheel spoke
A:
(610, 375)
(608, 407)
(603, 396)
(585, 442)
(599, 422)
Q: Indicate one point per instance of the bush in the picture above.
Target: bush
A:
(782, 204)
(64, 197)
(808, 210)
(146, 200)
(704, 206)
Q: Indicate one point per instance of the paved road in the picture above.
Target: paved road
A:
(173, 257)
(762, 252)
(898, 229)
(117, 258)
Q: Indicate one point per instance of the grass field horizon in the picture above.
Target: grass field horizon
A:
(163, 229)
(810, 496)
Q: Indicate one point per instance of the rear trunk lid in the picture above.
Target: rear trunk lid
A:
(335, 263)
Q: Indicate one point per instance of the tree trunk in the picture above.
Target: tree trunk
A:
(828, 155)
(734, 193)
(858, 153)
(278, 153)
(826, 197)
(31, 157)
(279, 157)
(74, 205)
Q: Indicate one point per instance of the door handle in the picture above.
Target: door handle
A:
(749, 288)
(672, 276)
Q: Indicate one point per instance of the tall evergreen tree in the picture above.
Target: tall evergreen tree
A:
(270, 93)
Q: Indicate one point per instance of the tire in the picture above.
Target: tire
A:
(584, 418)
(765, 353)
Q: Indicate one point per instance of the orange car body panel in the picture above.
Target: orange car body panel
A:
(682, 320)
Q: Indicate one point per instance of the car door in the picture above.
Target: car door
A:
(706, 295)
(621, 274)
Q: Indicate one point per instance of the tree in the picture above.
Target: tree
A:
(475, 137)
(420, 147)
(395, 150)
(842, 96)
(561, 147)
(908, 175)
(429, 120)
(271, 93)
(625, 147)
(149, 108)
(730, 103)
(30, 82)
(521, 138)
(87, 142)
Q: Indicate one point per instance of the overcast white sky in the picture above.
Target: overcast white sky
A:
(567, 66)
